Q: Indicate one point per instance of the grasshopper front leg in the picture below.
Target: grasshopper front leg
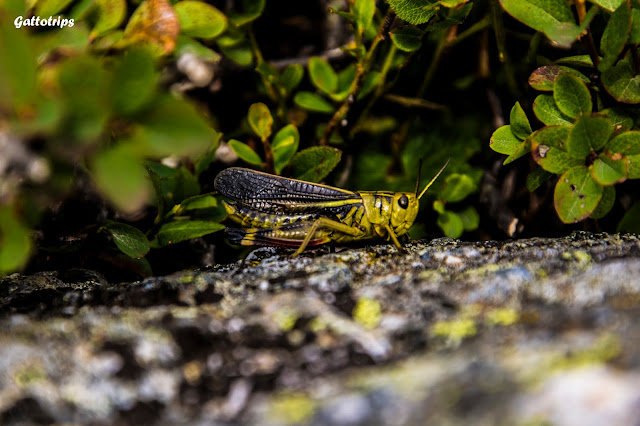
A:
(394, 238)
(331, 225)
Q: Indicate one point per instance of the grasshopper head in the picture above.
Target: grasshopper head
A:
(406, 204)
(404, 210)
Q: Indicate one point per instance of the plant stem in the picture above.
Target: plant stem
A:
(588, 40)
(498, 28)
(362, 67)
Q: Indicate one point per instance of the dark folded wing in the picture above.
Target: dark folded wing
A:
(274, 193)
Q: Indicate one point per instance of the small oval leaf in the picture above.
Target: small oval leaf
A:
(571, 95)
(312, 102)
(260, 120)
(182, 230)
(589, 133)
(545, 108)
(315, 163)
(627, 143)
(245, 152)
(322, 75)
(131, 241)
(609, 170)
(408, 39)
(200, 20)
(576, 195)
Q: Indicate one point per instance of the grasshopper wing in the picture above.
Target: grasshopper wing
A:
(276, 194)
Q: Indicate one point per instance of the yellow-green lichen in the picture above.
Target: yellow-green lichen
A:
(605, 348)
(367, 312)
(291, 408)
(501, 316)
(286, 319)
(29, 375)
(455, 330)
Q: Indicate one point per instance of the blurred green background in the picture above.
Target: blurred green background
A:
(113, 128)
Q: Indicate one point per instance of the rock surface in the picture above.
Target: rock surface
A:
(522, 332)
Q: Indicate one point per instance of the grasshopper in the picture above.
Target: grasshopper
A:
(282, 212)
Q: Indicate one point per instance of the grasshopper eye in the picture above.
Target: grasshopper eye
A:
(403, 201)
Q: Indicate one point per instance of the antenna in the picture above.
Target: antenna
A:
(418, 178)
(433, 180)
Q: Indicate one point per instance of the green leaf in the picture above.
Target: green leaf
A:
(372, 79)
(519, 122)
(545, 108)
(197, 202)
(571, 95)
(200, 20)
(606, 203)
(622, 83)
(128, 239)
(284, 146)
(609, 5)
(239, 53)
(182, 230)
(15, 242)
(155, 24)
(451, 224)
(322, 75)
(415, 12)
(83, 84)
(576, 195)
(72, 41)
(620, 121)
(108, 41)
(408, 39)
(543, 78)
(174, 127)
(260, 120)
(576, 61)
(133, 83)
(549, 151)
(204, 161)
(627, 143)
(17, 67)
(312, 102)
(346, 77)
(245, 152)
(46, 8)
(615, 36)
(609, 169)
(291, 77)
(110, 14)
(364, 10)
(537, 177)
(634, 35)
(631, 220)
(504, 141)
(315, 163)
(120, 176)
(188, 45)
(522, 150)
(172, 185)
(552, 17)
(249, 11)
(634, 166)
(589, 133)
(470, 218)
(457, 187)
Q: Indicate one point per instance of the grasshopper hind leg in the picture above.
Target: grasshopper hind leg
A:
(290, 235)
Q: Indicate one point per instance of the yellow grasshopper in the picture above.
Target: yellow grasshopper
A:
(282, 212)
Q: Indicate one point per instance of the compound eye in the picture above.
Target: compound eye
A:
(403, 201)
